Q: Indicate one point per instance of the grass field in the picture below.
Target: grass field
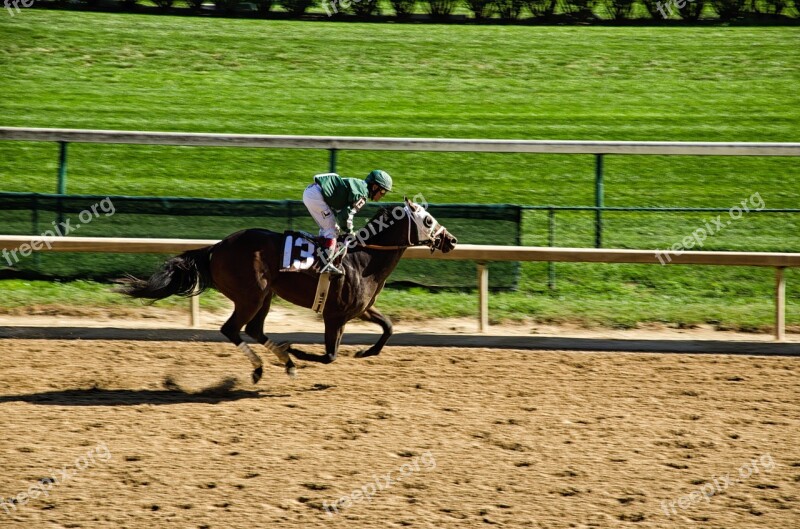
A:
(91, 70)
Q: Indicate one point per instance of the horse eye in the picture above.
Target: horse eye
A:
(428, 222)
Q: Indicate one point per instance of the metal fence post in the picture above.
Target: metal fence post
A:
(61, 185)
(332, 161)
(518, 239)
(598, 201)
(35, 216)
(551, 239)
(37, 256)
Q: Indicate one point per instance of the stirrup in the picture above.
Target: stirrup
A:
(331, 269)
(329, 260)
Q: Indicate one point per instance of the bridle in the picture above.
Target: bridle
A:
(432, 234)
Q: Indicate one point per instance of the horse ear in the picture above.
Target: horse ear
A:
(408, 203)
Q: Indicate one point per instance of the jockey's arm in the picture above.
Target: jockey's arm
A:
(344, 219)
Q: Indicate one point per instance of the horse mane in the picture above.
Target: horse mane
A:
(383, 211)
(383, 216)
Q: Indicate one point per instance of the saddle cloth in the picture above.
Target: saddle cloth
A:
(299, 252)
(299, 255)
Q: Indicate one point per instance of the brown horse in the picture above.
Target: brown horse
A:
(246, 268)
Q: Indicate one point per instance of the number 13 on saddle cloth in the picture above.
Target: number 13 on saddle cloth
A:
(298, 253)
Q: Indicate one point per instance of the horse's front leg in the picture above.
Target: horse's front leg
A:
(373, 315)
(334, 329)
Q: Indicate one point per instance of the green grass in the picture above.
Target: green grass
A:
(18, 294)
(92, 70)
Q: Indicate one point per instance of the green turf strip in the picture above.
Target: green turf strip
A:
(92, 70)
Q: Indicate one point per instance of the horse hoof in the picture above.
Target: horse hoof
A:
(291, 371)
(257, 372)
(366, 353)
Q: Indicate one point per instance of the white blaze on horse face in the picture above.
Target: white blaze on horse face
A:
(427, 226)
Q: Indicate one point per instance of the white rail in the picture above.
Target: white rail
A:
(401, 144)
(481, 254)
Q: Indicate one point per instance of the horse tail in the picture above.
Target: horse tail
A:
(186, 275)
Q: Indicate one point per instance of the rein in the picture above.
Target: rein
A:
(376, 247)
(411, 220)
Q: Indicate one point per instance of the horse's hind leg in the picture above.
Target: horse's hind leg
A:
(373, 315)
(255, 329)
(243, 313)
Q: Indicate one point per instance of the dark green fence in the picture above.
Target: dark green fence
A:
(758, 230)
(192, 218)
(568, 226)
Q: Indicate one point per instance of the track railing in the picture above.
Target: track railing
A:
(333, 144)
(480, 254)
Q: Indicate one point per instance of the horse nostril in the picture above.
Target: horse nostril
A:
(453, 241)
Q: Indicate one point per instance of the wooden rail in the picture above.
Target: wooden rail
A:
(401, 144)
(481, 254)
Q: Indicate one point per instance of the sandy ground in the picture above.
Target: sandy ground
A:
(467, 437)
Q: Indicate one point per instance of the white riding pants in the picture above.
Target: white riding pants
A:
(320, 211)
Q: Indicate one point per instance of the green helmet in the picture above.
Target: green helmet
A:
(381, 178)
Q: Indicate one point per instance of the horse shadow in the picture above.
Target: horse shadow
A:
(96, 396)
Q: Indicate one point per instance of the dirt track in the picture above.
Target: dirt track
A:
(520, 439)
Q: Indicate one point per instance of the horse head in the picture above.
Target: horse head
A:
(425, 229)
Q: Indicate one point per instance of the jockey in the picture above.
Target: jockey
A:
(333, 201)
